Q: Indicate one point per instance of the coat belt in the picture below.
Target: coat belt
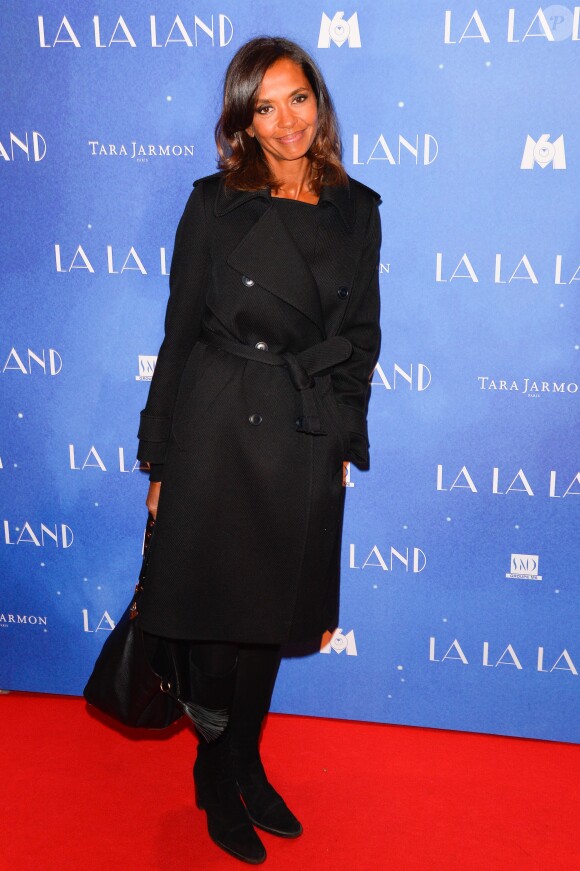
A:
(301, 367)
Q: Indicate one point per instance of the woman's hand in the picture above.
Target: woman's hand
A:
(153, 498)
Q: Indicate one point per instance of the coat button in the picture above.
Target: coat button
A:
(342, 292)
(249, 282)
(261, 346)
(299, 422)
(255, 419)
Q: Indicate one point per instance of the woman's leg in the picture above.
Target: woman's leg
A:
(213, 677)
(213, 658)
(256, 675)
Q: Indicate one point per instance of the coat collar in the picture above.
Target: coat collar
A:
(338, 196)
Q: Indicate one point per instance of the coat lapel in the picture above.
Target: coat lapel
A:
(268, 255)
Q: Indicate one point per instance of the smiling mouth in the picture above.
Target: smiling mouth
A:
(291, 137)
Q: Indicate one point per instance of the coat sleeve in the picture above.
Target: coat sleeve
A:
(361, 326)
(189, 274)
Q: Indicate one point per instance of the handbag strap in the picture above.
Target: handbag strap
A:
(140, 586)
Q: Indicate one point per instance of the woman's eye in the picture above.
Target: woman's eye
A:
(299, 98)
(263, 110)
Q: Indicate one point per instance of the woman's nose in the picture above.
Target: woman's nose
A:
(285, 117)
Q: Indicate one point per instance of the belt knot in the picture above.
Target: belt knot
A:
(301, 379)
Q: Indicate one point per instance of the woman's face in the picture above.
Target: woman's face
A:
(286, 115)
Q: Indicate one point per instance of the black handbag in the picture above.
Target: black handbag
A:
(144, 680)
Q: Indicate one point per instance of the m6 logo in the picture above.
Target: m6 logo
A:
(338, 642)
(543, 152)
(338, 31)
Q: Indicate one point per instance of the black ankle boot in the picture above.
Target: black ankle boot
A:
(256, 675)
(217, 794)
(266, 808)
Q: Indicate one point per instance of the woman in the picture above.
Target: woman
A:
(259, 395)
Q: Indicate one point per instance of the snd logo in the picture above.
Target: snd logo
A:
(524, 565)
(339, 31)
(146, 367)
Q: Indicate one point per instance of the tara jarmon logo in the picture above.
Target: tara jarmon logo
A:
(139, 151)
(7, 619)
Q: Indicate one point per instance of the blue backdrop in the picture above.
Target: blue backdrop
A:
(460, 565)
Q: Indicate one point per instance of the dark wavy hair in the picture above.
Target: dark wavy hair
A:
(241, 158)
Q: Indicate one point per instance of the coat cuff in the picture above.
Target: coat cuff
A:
(156, 472)
(153, 428)
(354, 424)
(153, 437)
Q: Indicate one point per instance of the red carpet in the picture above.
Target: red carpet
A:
(80, 796)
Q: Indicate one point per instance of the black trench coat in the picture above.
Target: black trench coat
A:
(252, 411)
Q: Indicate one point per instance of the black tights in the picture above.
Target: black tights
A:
(256, 671)
(218, 658)
(213, 658)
